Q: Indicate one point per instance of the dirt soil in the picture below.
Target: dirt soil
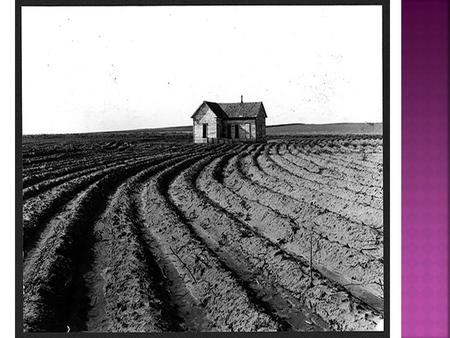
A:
(132, 234)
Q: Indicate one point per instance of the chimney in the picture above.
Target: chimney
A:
(242, 99)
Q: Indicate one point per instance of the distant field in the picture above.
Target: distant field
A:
(332, 128)
(299, 129)
(183, 134)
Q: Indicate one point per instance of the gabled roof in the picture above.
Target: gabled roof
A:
(217, 109)
(236, 110)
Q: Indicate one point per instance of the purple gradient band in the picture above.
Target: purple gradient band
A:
(425, 173)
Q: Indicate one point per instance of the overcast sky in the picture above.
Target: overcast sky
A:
(115, 68)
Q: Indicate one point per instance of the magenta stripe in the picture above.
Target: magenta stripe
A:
(425, 168)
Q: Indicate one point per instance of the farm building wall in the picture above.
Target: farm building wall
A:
(246, 129)
(205, 116)
(260, 128)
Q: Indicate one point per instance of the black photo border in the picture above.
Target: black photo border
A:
(386, 158)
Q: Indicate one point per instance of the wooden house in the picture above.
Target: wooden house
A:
(229, 122)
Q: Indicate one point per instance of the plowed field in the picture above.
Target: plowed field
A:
(144, 236)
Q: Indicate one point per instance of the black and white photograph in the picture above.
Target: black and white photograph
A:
(203, 168)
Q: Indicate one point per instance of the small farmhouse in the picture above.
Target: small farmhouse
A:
(229, 122)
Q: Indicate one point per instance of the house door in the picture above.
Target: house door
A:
(205, 130)
(236, 131)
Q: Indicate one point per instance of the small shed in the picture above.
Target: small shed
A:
(229, 122)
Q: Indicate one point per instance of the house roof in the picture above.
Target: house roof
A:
(236, 110)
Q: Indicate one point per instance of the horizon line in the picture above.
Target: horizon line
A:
(186, 126)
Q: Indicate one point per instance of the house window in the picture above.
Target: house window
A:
(248, 133)
(205, 130)
(236, 131)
